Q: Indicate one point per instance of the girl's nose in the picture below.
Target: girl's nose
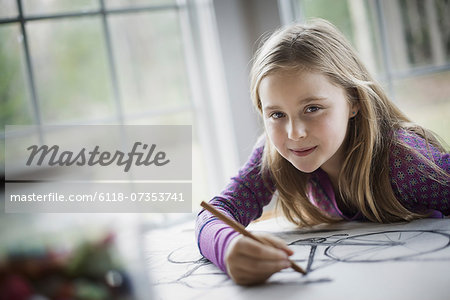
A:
(296, 130)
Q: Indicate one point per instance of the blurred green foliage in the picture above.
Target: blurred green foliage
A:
(335, 11)
(14, 104)
(72, 75)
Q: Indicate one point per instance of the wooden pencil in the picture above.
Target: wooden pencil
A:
(241, 229)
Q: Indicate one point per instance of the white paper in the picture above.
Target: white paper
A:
(350, 260)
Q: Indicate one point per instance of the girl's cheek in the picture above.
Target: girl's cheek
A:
(275, 130)
(271, 133)
(274, 134)
(269, 126)
(324, 121)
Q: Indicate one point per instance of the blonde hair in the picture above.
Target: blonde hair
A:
(319, 46)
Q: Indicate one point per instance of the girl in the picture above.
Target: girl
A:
(335, 148)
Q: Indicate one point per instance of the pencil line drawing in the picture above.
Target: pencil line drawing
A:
(396, 245)
(380, 246)
(196, 268)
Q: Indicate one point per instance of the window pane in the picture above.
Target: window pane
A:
(8, 9)
(150, 61)
(426, 100)
(418, 32)
(356, 20)
(71, 71)
(335, 11)
(33, 7)
(180, 118)
(2, 159)
(14, 102)
(127, 3)
(199, 178)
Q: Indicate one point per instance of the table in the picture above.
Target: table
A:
(351, 260)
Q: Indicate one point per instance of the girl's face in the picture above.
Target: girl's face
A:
(306, 118)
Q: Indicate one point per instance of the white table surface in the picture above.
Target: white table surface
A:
(345, 261)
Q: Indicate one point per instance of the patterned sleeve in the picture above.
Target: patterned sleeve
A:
(242, 200)
(412, 177)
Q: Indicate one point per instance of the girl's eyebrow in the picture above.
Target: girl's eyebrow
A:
(302, 101)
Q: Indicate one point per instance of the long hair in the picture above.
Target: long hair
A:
(364, 183)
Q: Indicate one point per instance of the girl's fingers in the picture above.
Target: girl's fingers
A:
(254, 267)
(248, 271)
(251, 262)
(256, 250)
(276, 242)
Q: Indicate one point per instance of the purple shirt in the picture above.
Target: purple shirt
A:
(245, 196)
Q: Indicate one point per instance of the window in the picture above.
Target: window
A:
(405, 43)
(109, 62)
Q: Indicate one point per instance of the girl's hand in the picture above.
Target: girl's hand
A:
(250, 262)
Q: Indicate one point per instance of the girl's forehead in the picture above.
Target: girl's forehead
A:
(298, 86)
(300, 77)
(292, 70)
(299, 74)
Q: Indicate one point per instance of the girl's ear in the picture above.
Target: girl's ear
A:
(353, 111)
(353, 102)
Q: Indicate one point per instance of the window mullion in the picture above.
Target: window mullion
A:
(387, 60)
(112, 66)
(30, 73)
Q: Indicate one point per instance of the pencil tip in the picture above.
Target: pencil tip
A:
(298, 268)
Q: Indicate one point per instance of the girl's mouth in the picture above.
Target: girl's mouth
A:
(304, 151)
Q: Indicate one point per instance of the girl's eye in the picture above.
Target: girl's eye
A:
(276, 115)
(312, 109)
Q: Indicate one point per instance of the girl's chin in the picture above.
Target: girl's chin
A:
(305, 169)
